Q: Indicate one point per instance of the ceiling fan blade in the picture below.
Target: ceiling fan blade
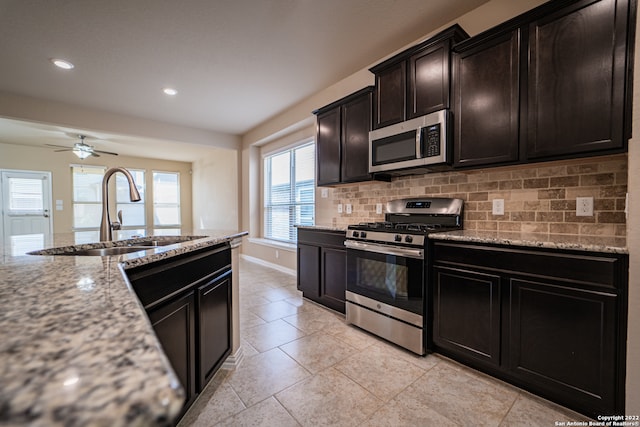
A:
(65, 149)
(105, 152)
(58, 146)
(94, 154)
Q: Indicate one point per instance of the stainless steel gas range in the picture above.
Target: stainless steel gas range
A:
(387, 271)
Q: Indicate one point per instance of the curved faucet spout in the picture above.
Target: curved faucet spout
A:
(134, 195)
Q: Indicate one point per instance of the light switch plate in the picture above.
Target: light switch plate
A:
(324, 193)
(348, 208)
(378, 208)
(498, 207)
(340, 208)
(584, 206)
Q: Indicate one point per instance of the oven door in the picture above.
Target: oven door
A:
(389, 274)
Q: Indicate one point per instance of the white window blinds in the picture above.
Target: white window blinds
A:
(289, 196)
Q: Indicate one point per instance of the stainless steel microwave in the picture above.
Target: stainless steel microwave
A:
(415, 143)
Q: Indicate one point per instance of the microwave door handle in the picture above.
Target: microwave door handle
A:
(418, 143)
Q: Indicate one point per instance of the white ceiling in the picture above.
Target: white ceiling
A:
(235, 63)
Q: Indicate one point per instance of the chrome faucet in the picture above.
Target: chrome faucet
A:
(105, 225)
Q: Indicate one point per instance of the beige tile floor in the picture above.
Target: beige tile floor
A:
(304, 366)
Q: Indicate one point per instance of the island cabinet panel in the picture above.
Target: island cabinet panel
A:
(322, 267)
(174, 325)
(466, 313)
(214, 300)
(486, 114)
(561, 340)
(576, 79)
(188, 300)
(342, 139)
(550, 321)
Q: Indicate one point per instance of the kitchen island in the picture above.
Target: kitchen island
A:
(76, 347)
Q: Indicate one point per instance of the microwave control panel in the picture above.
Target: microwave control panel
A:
(431, 138)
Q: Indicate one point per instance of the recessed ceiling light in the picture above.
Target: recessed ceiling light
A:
(170, 91)
(61, 63)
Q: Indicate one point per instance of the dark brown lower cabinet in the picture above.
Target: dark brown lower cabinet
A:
(550, 321)
(322, 267)
(467, 313)
(214, 339)
(188, 301)
(174, 325)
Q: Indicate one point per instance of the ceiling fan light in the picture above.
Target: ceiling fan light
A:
(83, 154)
(170, 91)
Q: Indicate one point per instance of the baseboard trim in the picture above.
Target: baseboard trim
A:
(269, 264)
(234, 360)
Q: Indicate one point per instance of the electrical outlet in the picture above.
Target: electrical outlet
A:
(498, 207)
(277, 254)
(324, 193)
(584, 206)
(339, 207)
(378, 208)
(348, 208)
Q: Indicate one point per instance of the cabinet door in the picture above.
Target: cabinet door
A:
(309, 271)
(334, 278)
(577, 79)
(356, 124)
(174, 325)
(486, 87)
(563, 342)
(390, 100)
(328, 147)
(428, 81)
(214, 326)
(466, 314)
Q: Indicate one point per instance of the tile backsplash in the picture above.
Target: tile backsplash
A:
(538, 197)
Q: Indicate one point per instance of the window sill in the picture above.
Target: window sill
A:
(272, 243)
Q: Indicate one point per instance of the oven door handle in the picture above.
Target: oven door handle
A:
(385, 250)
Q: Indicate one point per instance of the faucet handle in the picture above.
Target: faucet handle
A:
(117, 225)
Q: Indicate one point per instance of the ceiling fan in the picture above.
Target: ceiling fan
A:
(81, 149)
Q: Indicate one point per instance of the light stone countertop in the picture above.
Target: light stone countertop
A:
(538, 240)
(76, 346)
(323, 227)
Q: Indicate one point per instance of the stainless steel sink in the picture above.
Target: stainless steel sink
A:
(116, 250)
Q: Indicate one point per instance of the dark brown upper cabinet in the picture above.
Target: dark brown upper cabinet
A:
(577, 75)
(342, 140)
(486, 93)
(552, 83)
(416, 81)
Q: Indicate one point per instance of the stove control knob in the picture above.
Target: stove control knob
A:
(398, 238)
(356, 234)
(408, 239)
(363, 234)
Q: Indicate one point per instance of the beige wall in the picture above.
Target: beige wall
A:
(216, 191)
(633, 242)
(43, 159)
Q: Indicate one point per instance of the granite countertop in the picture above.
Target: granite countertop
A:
(76, 346)
(539, 240)
(323, 227)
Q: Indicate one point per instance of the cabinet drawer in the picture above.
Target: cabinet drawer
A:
(321, 237)
(157, 282)
(588, 268)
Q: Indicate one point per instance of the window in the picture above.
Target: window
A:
(87, 196)
(133, 214)
(289, 192)
(166, 200)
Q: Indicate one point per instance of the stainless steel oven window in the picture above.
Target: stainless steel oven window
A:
(388, 279)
